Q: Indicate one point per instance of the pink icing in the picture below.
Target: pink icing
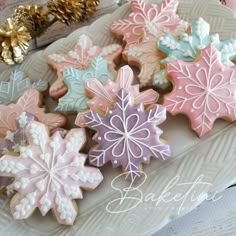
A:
(204, 90)
(49, 173)
(151, 20)
(29, 102)
(104, 96)
(230, 3)
(80, 58)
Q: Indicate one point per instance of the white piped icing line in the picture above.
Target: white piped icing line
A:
(49, 173)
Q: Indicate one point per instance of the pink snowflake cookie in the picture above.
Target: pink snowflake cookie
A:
(103, 96)
(127, 135)
(204, 90)
(80, 58)
(30, 102)
(149, 20)
(49, 173)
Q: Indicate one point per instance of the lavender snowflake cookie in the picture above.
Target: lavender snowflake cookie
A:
(127, 135)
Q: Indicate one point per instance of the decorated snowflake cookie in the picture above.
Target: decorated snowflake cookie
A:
(29, 102)
(127, 135)
(147, 57)
(187, 48)
(49, 174)
(204, 90)
(104, 95)
(11, 90)
(14, 139)
(80, 58)
(151, 20)
(75, 100)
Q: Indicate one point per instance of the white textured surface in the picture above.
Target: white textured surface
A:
(213, 156)
(211, 218)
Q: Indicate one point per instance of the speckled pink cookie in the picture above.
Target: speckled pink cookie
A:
(49, 174)
(104, 96)
(149, 20)
(29, 102)
(204, 90)
(80, 58)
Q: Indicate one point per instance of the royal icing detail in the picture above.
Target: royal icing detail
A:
(29, 102)
(11, 90)
(187, 48)
(147, 57)
(49, 174)
(151, 20)
(76, 99)
(14, 139)
(127, 135)
(204, 90)
(104, 95)
(80, 58)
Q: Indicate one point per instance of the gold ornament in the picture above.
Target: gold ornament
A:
(70, 11)
(14, 40)
(33, 17)
(67, 11)
(90, 7)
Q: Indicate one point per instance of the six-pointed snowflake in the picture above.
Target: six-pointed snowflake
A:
(204, 90)
(76, 99)
(49, 173)
(80, 58)
(127, 136)
(151, 20)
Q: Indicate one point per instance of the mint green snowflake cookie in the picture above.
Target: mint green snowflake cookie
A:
(187, 48)
(75, 100)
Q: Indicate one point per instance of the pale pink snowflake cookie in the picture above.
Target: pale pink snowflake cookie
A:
(149, 20)
(127, 135)
(49, 174)
(30, 102)
(80, 58)
(204, 90)
(103, 96)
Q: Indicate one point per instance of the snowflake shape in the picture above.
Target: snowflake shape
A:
(151, 20)
(11, 90)
(80, 58)
(29, 102)
(49, 173)
(127, 135)
(188, 46)
(204, 90)
(103, 96)
(76, 99)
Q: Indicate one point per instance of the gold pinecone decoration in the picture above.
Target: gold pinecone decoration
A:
(14, 42)
(33, 17)
(90, 7)
(70, 11)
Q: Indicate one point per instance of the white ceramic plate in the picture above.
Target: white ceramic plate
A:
(213, 158)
